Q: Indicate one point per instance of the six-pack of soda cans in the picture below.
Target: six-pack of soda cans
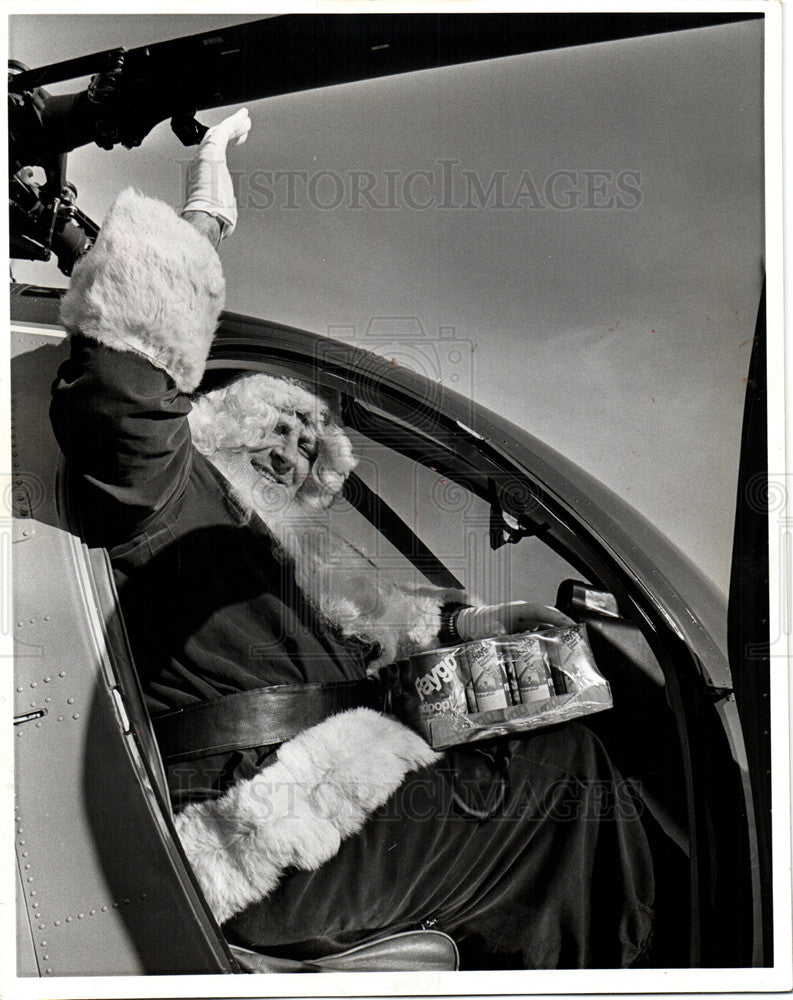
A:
(493, 687)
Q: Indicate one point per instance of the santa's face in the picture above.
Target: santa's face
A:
(285, 456)
(271, 473)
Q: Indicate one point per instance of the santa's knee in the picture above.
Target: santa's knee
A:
(566, 770)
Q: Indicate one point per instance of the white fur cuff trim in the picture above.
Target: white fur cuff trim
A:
(151, 284)
(295, 813)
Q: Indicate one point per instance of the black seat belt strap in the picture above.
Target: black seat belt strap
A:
(386, 520)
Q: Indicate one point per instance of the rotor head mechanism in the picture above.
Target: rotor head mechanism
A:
(121, 105)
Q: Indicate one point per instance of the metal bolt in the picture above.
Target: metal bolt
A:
(76, 715)
(57, 923)
(80, 916)
(92, 912)
(33, 684)
(47, 680)
(68, 920)
(70, 701)
(104, 909)
(60, 718)
(61, 673)
(46, 618)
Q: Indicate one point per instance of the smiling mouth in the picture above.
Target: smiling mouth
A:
(268, 475)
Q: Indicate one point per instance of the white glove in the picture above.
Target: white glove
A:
(506, 619)
(209, 186)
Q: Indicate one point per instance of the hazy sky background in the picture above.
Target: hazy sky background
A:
(621, 337)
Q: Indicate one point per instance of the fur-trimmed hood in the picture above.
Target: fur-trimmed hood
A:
(295, 813)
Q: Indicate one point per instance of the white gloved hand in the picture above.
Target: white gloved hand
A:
(506, 619)
(209, 185)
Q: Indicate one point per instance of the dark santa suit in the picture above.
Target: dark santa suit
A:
(354, 826)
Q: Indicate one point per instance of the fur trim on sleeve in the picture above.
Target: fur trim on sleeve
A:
(151, 284)
(410, 622)
(362, 599)
(364, 602)
(295, 813)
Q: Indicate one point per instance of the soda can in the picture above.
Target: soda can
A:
(506, 653)
(570, 654)
(489, 678)
(532, 669)
(436, 680)
(470, 696)
(559, 675)
(399, 674)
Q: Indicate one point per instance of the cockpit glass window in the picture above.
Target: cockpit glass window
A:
(450, 521)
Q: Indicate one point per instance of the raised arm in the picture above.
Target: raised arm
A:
(210, 204)
(142, 309)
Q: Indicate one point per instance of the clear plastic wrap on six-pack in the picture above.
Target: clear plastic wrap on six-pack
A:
(493, 687)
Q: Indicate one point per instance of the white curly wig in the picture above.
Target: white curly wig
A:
(240, 415)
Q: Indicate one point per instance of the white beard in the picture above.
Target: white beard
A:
(271, 501)
(345, 587)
